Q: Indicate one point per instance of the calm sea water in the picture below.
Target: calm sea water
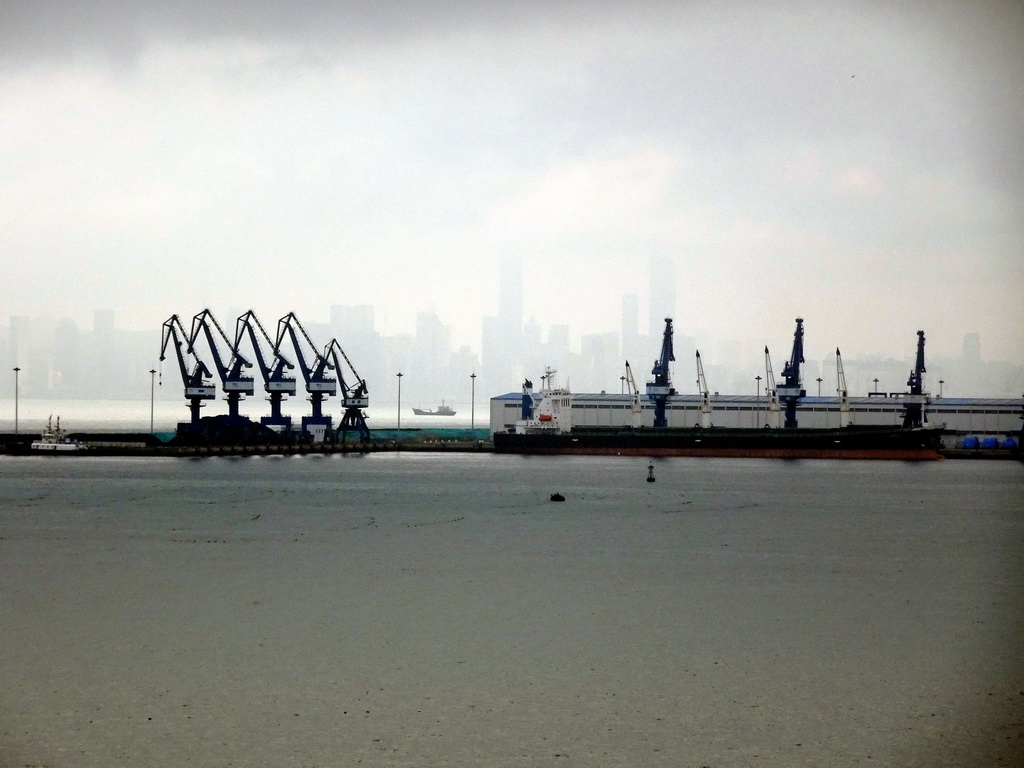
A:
(134, 415)
(419, 610)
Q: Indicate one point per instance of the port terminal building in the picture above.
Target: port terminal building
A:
(964, 418)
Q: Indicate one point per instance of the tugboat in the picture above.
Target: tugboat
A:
(442, 410)
(55, 440)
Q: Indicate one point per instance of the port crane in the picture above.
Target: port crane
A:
(842, 391)
(789, 392)
(318, 384)
(661, 388)
(198, 386)
(526, 404)
(354, 397)
(771, 391)
(230, 369)
(636, 409)
(705, 395)
(914, 415)
(276, 382)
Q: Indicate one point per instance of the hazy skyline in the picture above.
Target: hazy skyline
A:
(855, 165)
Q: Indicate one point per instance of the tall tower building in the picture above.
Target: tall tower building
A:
(630, 331)
(510, 295)
(502, 351)
(972, 348)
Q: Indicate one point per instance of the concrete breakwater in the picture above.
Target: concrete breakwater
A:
(145, 444)
(294, 449)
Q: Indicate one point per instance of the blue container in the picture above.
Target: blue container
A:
(970, 442)
(990, 442)
(1010, 443)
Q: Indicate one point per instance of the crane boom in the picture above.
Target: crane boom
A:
(773, 394)
(789, 391)
(844, 395)
(914, 402)
(660, 389)
(314, 375)
(354, 397)
(636, 409)
(705, 395)
(318, 384)
(235, 384)
(276, 382)
(197, 386)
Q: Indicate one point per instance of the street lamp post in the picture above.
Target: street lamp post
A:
(876, 385)
(472, 406)
(399, 399)
(152, 392)
(819, 386)
(941, 382)
(757, 394)
(16, 370)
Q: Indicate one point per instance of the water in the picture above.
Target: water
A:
(420, 610)
(134, 415)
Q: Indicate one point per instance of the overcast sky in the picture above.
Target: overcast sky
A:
(858, 165)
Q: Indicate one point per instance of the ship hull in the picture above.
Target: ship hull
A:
(57, 449)
(847, 443)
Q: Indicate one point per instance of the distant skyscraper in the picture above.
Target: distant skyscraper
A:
(103, 321)
(432, 346)
(631, 327)
(18, 341)
(972, 348)
(502, 352)
(352, 322)
(510, 295)
(662, 301)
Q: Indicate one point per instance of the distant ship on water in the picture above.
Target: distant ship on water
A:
(442, 410)
(55, 440)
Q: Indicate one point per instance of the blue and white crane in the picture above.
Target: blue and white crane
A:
(355, 396)
(230, 367)
(196, 378)
(273, 367)
(914, 402)
(661, 388)
(314, 372)
(789, 391)
(526, 402)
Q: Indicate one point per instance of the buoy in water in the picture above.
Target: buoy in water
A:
(557, 497)
(650, 473)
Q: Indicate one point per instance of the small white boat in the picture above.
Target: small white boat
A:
(56, 440)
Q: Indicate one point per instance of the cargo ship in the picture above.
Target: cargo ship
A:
(546, 425)
(442, 410)
(915, 444)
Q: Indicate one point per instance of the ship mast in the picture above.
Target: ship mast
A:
(773, 395)
(635, 406)
(844, 396)
(705, 395)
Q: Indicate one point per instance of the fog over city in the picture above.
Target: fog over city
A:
(856, 165)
